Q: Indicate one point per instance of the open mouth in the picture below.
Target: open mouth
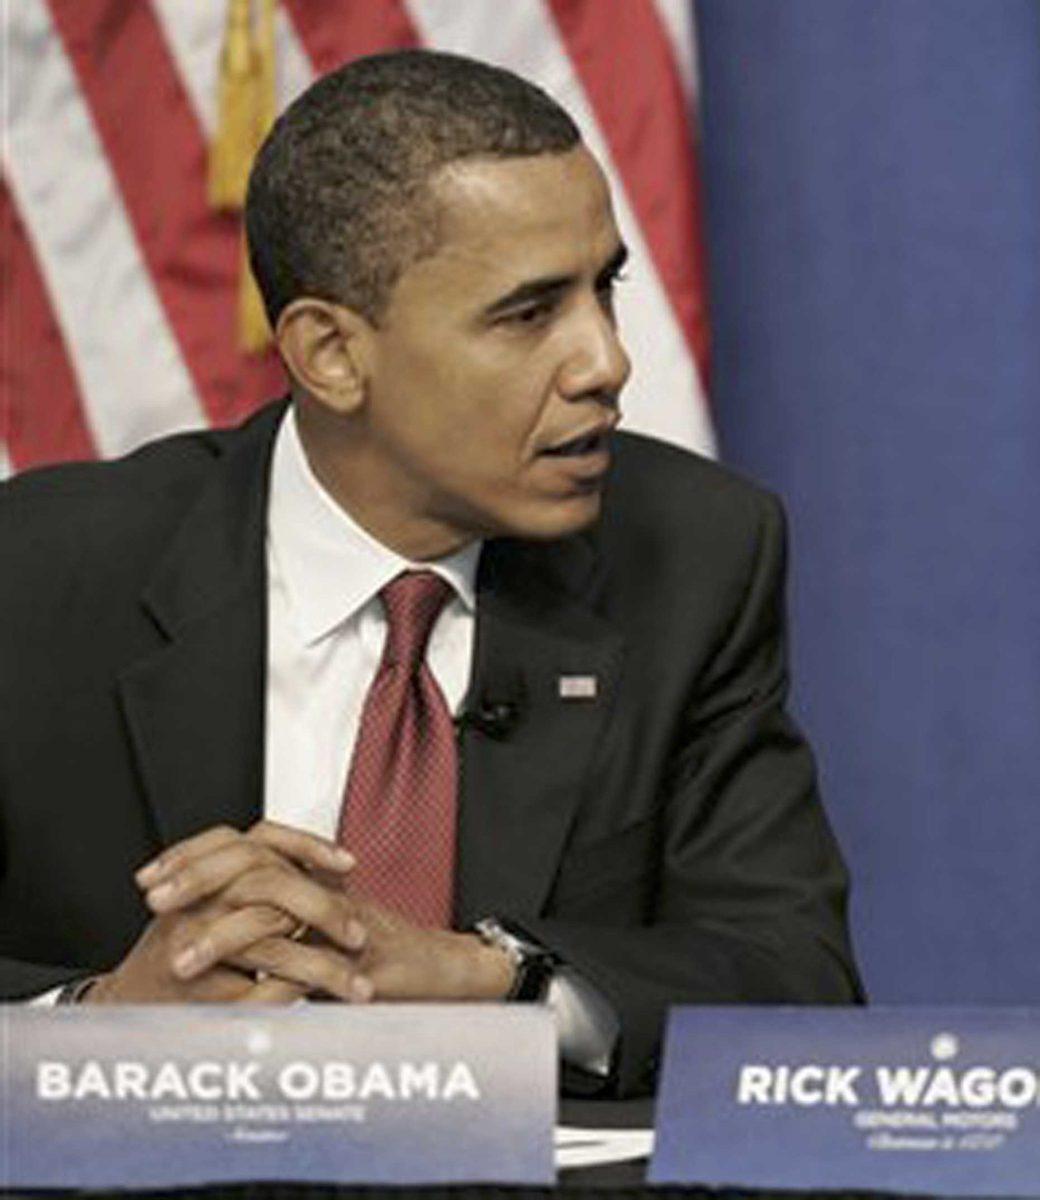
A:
(589, 444)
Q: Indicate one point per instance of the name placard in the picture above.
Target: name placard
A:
(924, 1100)
(181, 1096)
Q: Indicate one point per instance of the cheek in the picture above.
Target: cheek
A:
(478, 413)
(506, 405)
(414, 402)
(501, 431)
(483, 423)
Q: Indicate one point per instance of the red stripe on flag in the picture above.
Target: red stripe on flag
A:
(39, 395)
(629, 74)
(334, 31)
(157, 153)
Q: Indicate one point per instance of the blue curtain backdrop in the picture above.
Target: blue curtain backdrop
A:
(873, 181)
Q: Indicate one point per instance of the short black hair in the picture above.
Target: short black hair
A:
(338, 204)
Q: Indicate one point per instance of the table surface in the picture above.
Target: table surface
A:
(607, 1114)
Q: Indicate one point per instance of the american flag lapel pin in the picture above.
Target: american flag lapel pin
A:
(577, 687)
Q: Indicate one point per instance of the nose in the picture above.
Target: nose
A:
(596, 366)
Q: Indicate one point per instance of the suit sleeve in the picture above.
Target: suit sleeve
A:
(21, 980)
(749, 899)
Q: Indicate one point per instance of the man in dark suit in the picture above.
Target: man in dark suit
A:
(636, 818)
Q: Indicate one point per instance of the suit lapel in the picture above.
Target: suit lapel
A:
(195, 707)
(519, 792)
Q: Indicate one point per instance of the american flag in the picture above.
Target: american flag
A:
(119, 283)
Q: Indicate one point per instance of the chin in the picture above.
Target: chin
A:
(559, 520)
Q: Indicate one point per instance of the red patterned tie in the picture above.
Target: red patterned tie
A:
(398, 815)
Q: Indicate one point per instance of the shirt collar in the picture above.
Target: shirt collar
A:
(329, 566)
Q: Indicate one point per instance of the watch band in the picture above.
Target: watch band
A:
(532, 963)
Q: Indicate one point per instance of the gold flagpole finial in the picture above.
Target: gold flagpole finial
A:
(246, 109)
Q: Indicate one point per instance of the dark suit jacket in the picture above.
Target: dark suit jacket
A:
(664, 836)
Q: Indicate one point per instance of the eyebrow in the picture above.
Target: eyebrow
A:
(548, 285)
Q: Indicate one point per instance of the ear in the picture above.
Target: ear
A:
(325, 348)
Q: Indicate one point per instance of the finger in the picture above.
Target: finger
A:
(224, 985)
(221, 939)
(272, 991)
(302, 847)
(176, 855)
(319, 969)
(205, 875)
(325, 910)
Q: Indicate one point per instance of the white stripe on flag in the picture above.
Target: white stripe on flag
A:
(133, 380)
(194, 33)
(665, 397)
(677, 19)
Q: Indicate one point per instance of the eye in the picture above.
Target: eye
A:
(606, 284)
(535, 312)
(605, 288)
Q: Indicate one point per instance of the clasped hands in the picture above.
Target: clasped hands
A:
(229, 909)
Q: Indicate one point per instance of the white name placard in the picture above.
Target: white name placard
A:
(179, 1096)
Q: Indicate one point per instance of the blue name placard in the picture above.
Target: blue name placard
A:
(924, 1100)
(381, 1094)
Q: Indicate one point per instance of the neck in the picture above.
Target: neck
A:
(338, 455)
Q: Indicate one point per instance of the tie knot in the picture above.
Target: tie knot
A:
(413, 602)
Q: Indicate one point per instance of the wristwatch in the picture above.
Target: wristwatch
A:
(532, 963)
